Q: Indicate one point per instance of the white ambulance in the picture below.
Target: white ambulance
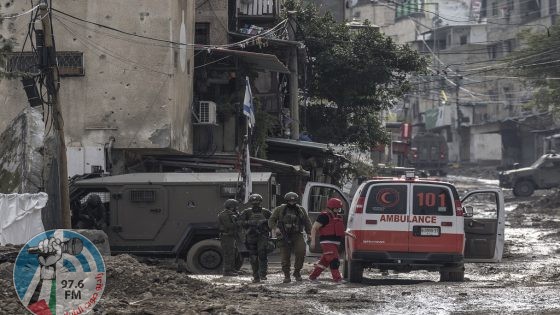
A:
(407, 223)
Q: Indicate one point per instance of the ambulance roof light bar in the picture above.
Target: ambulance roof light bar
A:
(409, 175)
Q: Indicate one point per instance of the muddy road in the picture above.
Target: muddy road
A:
(527, 281)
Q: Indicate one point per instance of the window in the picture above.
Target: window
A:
(202, 33)
(492, 51)
(431, 200)
(70, 63)
(387, 199)
(494, 9)
(484, 205)
(483, 9)
(318, 197)
(463, 40)
(408, 8)
(142, 195)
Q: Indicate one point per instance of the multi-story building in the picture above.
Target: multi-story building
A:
(117, 89)
(465, 97)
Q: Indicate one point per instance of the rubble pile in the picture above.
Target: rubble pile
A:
(154, 287)
(550, 200)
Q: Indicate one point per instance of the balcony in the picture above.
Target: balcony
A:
(258, 9)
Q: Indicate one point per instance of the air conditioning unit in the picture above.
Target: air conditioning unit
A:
(206, 112)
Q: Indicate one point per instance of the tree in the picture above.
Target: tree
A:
(353, 75)
(538, 61)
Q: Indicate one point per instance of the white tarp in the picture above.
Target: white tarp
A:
(20, 217)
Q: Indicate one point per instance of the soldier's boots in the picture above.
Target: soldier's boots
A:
(297, 276)
(287, 277)
(256, 280)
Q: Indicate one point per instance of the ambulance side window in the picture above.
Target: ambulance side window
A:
(431, 200)
(387, 199)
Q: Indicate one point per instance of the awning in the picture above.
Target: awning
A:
(257, 61)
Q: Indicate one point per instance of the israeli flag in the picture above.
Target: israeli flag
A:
(248, 109)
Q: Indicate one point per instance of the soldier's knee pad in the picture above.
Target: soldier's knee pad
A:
(335, 263)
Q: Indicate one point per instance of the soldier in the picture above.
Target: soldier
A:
(93, 215)
(227, 220)
(257, 234)
(330, 226)
(288, 221)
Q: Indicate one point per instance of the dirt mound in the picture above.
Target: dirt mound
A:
(486, 172)
(9, 253)
(550, 201)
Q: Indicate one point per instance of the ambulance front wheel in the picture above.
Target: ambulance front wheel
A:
(355, 271)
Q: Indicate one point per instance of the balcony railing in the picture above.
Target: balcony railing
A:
(258, 8)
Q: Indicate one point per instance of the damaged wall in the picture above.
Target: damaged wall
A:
(136, 90)
(21, 158)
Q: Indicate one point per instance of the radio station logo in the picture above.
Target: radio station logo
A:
(59, 272)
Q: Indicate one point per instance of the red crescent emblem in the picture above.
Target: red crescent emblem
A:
(387, 197)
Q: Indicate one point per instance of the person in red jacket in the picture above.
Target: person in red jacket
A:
(330, 226)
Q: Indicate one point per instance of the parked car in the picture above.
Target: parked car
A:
(410, 224)
(544, 173)
(170, 214)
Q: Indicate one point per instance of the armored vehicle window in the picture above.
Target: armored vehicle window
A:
(142, 195)
(385, 199)
(431, 200)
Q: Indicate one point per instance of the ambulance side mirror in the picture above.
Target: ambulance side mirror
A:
(468, 211)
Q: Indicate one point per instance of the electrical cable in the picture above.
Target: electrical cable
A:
(20, 14)
(240, 43)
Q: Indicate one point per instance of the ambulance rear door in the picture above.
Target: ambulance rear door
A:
(484, 225)
(314, 201)
(381, 225)
(434, 226)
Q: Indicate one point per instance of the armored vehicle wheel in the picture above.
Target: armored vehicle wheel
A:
(205, 257)
(523, 188)
(355, 271)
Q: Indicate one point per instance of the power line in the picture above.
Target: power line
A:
(240, 43)
(106, 51)
(20, 14)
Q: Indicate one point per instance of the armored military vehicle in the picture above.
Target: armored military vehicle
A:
(544, 173)
(428, 151)
(172, 214)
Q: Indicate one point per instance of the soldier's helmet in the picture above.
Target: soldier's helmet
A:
(291, 197)
(255, 199)
(93, 200)
(231, 204)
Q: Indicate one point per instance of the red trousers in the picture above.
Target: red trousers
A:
(328, 259)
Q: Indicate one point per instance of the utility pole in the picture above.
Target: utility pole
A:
(52, 83)
(458, 79)
(293, 66)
